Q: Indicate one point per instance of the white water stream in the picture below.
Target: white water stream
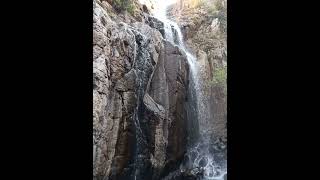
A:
(199, 155)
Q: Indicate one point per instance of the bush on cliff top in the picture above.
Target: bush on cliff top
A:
(123, 5)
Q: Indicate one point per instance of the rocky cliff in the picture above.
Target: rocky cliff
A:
(204, 25)
(140, 84)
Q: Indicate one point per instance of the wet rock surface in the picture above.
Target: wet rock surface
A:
(142, 94)
(140, 84)
(203, 26)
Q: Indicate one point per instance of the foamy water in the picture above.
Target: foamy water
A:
(199, 155)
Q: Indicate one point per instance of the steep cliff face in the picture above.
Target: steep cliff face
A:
(203, 24)
(140, 86)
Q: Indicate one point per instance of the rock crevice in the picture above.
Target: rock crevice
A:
(140, 86)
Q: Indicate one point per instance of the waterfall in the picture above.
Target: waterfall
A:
(200, 154)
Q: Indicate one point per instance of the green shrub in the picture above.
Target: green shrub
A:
(218, 4)
(201, 3)
(131, 8)
(220, 75)
(124, 5)
(215, 7)
(220, 78)
(212, 9)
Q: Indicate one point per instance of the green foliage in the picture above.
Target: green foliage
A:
(220, 75)
(220, 78)
(212, 9)
(124, 5)
(201, 3)
(215, 7)
(131, 8)
(218, 5)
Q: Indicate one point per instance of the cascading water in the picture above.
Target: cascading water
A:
(200, 156)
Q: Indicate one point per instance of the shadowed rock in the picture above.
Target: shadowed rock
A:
(139, 90)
